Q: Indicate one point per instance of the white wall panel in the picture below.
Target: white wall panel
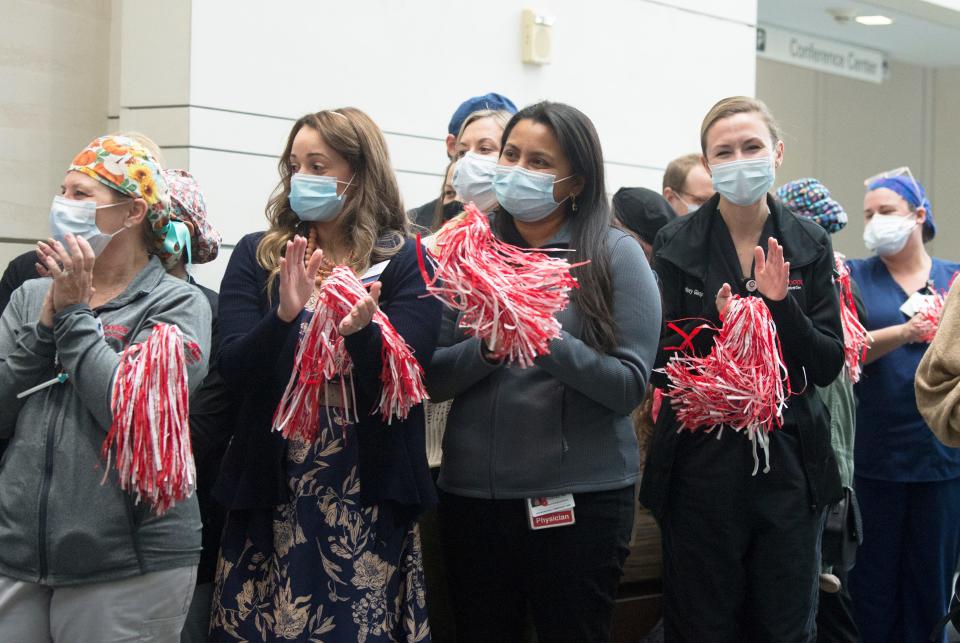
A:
(169, 126)
(619, 176)
(734, 10)
(645, 72)
(225, 130)
(417, 189)
(236, 187)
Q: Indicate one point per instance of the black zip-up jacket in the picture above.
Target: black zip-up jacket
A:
(808, 325)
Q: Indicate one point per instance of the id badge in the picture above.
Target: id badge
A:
(550, 511)
(914, 303)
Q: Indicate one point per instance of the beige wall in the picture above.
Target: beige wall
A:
(841, 131)
(54, 70)
(946, 161)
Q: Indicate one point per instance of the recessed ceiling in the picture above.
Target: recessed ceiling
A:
(922, 33)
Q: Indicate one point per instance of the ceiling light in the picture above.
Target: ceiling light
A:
(946, 4)
(874, 21)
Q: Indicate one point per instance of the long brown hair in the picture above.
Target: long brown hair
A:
(438, 219)
(372, 223)
(588, 225)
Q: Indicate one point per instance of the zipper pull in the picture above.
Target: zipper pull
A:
(59, 379)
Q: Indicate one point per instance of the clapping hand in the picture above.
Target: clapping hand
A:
(297, 282)
(723, 297)
(771, 273)
(71, 268)
(361, 315)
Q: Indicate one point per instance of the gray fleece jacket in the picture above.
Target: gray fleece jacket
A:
(562, 425)
(58, 524)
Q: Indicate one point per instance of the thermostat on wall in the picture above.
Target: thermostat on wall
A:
(537, 38)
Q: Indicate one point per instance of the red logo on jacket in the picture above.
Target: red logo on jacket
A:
(116, 331)
(192, 352)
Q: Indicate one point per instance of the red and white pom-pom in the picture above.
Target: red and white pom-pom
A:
(742, 383)
(930, 313)
(149, 439)
(401, 376)
(322, 356)
(509, 297)
(856, 339)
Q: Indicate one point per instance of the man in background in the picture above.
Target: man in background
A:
(686, 184)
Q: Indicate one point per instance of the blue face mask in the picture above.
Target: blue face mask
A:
(473, 180)
(79, 218)
(525, 194)
(744, 182)
(314, 198)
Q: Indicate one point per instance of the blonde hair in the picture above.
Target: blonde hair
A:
(147, 143)
(500, 116)
(372, 223)
(738, 105)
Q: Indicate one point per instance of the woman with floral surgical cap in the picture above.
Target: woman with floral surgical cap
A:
(82, 559)
(907, 482)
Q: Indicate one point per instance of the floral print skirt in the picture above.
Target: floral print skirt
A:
(337, 572)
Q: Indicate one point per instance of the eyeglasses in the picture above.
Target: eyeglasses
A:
(694, 199)
(892, 174)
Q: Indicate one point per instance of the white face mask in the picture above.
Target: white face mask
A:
(887, 234)
(690, 207)
(79, 218)
(473, 180)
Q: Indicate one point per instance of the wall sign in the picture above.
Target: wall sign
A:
(819, 54)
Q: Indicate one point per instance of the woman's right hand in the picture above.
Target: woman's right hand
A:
(914, 330)
(70, 265)
(723, 297)
(296, 282)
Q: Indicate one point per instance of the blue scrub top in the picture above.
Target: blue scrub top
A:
(893, 442)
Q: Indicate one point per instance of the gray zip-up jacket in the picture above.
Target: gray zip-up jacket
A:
(562, 425)
(58, 524)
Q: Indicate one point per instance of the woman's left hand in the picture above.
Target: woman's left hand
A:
(71, 267)
(771, 272)
(361, 315)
